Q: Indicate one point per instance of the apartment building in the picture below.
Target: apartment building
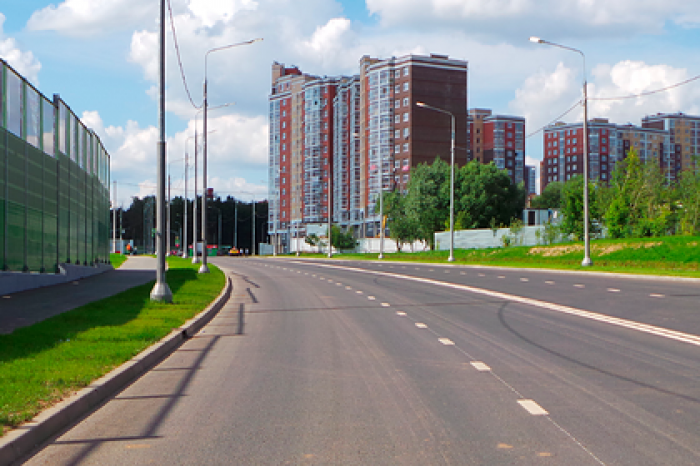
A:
(499, 139)
(684, 140)
(336, 142)
(608, 144)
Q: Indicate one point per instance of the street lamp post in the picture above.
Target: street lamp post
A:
(586, 214)
(451, 258)
(161, 291)
(204, 268)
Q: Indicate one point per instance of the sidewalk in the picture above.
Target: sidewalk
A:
(29, 307)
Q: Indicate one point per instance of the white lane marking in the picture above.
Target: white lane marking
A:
(523, 279)
(431, 270)
(447, 271)
(549, 282)
(348, 288)
(533, 408)
(480, 366)
(386, 305)
(656, 295)
(400, 313)
(421, 325)
(338, 284)
(501, 276)
(462, 273)
(371, 298)
(417, 268)
(578, 285)
(629, 324)
(613, 290)
(306, 273)
(358, 292)
(446, 341)
(482, 275)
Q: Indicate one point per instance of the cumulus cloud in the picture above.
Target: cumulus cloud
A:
(545, 96)
(82, 18)
(628, 78)
(569, 18)
(23, 61)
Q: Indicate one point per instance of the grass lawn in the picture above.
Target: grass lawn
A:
(671, 255)
(117, 260)
(44, 363)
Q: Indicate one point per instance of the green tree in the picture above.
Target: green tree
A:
(572, 208)
(342, 239)
(550, 197)
(402, 228)
(425, 202)
(689, 200)
(638, 202)
(313, 240)
(484, 193)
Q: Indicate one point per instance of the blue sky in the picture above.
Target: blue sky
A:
(100, 56)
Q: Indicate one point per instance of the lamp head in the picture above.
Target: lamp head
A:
(536, 40)
(421, 104)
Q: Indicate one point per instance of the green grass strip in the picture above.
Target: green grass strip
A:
(42, 364)
(670, 255)
(117, 260)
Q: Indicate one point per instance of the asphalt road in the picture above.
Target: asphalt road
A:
(319, 362)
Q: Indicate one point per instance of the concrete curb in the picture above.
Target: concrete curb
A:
(22, 440)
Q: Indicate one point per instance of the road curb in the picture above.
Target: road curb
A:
(25, 438)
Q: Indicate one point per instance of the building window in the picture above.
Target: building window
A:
(405, 117)
(405, 132)
(397, 89)
(405, 149)
(284, 180)
(397, 149)
(397, 119)
(405, 71)
(405, 86)
(397, 73)
(405, 102)
(397, 134)
(397, 103)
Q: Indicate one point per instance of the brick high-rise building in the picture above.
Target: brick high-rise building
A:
(344, 139)
(684, 141)
(499, 139)
(608, 144)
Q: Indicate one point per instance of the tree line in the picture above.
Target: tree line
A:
(637, 202)
(138, 221)
(484, 197)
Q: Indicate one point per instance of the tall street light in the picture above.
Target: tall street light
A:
(586, 233)
(204, 268)
(452, 178)
(161, 291)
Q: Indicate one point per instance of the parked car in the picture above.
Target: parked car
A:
(234, 252)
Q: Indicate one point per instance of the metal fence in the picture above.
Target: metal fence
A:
(54, 182)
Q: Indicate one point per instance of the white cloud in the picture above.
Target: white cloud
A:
(501, 18)
(545, 96)
(213, 12)
(83, 18)
(24, 62)
(628, 78)
(328, 42)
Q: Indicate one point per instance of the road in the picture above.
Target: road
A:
(380, 363)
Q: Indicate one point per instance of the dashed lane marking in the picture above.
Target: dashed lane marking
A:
(446, 341)
(533, 408)
(386, 305)
(613, 290)
(421, 325)
(480, 366)
(400, 313)
(629, 324)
